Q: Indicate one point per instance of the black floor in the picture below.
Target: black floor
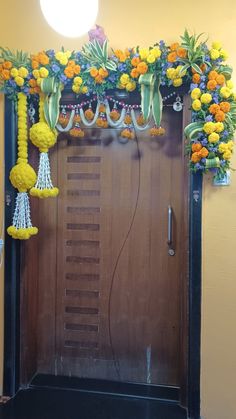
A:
(69, 404)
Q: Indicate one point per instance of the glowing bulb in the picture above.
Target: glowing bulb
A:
(70, 18)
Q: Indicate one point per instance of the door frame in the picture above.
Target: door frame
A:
(12, 276)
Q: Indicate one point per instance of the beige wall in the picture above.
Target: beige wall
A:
(129, 23)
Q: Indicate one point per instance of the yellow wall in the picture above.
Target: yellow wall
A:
(129, 23)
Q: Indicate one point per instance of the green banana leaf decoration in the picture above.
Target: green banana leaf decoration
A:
(51, 87)
(151, 98)
(191, 130)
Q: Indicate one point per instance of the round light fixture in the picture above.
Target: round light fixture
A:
(71, 18)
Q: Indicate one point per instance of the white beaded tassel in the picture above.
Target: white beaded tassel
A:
(21, 217)
(44, 187)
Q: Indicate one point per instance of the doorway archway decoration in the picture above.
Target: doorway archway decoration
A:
(95, 70)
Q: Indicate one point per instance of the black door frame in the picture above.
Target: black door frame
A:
(12, 279)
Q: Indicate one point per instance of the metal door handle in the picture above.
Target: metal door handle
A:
(169, 234)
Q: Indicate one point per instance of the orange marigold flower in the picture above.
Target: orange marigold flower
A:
(69, 72)
(171, 58)
(220, 79)
(212, 75)
(142, 67)
(225, 106)
(140, 120)
(203, 67)
(156, 132)
(114, 115)
(181, 52)
(32, 83)
(204, 152)
(196, 147)
(89, 115)
(174, 46)
(135, 61)
(127, 119)
(211, 84)
(134, 73)
(196, 157)
(196, 78)
(34, 64)
(5, 74)
(220, 116)
(93, 72)
(77, 69)
(76, 118)
(103, 72)
(43, 58)
(102, 108)
(127, 133)
(63, 120)
(214, 108)
(7, 65)
(99, 79)
(120, 55)
(77, 132)
(71, 63)
(102, 123)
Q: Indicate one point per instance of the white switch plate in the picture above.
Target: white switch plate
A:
(224, 181)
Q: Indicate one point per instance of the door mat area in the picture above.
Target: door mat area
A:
(67, 404)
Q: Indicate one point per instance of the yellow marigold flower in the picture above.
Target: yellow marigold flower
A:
(14, 72)
(59, 55)
(76, 88)
(209, 127)
(42, 136)
(43, 72)
(124, 79)
(68, 54)
(143, 52)
(196, 93)
(178, 70)
(156, 52)
(219, 127)
(214, 54)
(224, 54)
(227, 155)
(36, 74)
(216, 45)
(151, 58)
(63, 60)
(19, 81)
(84, 89)
(170, 73)
(23, 72)
(229, 84)
(213, 137)
(177, 82)
(78, 80)
(22, 177)
(206, 98)
(222, 147)
(230, 145)
(130, 86)
(39, 79)
(196, 105)
(225, 92)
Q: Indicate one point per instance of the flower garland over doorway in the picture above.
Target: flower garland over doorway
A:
(90, 74)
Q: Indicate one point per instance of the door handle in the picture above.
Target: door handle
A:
(171, 251)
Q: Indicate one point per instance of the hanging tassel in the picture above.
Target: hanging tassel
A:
(21, 227)
(44, 187)
(43, 137)
(22, 177)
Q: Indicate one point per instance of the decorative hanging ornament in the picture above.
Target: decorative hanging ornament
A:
(43, 137)
(22, 177)
(178, 105)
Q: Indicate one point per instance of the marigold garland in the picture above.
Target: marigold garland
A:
(22, 177)
(94, 71)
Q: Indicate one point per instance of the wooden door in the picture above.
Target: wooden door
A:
(111, 299)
